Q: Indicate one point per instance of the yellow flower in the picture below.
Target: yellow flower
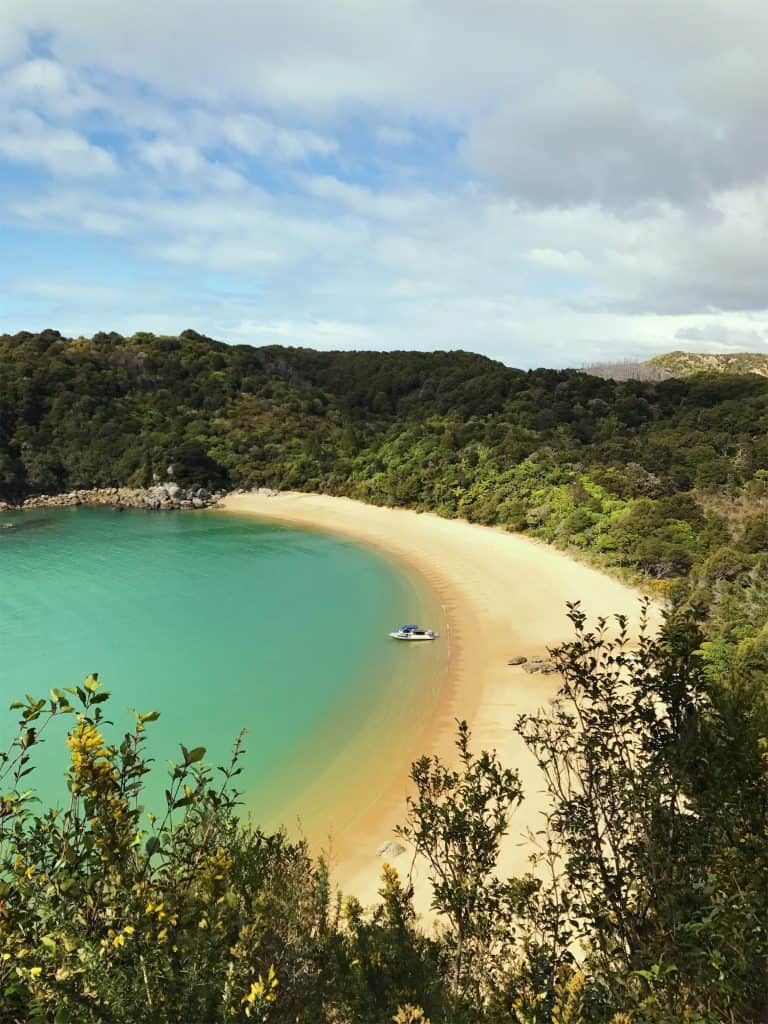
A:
(162, 935)
(129, 929)
(203, 923)
(35, 972)
(86, 743)
(260, 990)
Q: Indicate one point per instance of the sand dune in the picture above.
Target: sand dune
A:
(503, 595)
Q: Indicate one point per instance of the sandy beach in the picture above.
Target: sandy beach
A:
(502, 595)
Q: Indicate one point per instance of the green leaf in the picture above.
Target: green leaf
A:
(195, 755)
(91, 684)
(150, 716)
(152, 846)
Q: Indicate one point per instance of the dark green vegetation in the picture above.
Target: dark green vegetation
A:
(662, 480)
(651, 904)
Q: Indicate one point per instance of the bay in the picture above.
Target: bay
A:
(220, 623)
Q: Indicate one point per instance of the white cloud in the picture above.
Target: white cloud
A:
(324, 335)
(13, 42)
(185, 164)
(257, 136)
(26, 138)
(66, 291)
(392, 206)
(47, 86)
(596, 174)
(715, 334)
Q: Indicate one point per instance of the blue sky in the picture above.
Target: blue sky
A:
(545, 182)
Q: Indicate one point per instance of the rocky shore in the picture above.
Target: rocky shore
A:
(167, 497)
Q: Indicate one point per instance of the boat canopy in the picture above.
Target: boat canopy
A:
(409, 627)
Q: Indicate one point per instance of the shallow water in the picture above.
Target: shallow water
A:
(220, 623)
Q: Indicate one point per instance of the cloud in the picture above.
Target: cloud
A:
(66, 291)
(186, 165)
(257, 136)
(13, 42)
(47, 86)
(26, 138)
(516, 178)
(391, 206)
(579, 139)
(722, 336)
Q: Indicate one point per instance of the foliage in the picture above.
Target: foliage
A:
(659, 814)
(457, 821)
(108, 914)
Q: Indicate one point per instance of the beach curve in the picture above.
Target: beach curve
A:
(503, 595)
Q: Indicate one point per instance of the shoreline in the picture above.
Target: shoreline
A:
(167, 497)
(503, 595)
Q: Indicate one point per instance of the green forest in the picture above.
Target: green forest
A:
(647, 902)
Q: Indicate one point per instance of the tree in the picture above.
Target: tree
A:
(457, 821)
(658, 802)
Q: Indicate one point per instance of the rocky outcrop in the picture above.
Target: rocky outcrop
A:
(162, 498)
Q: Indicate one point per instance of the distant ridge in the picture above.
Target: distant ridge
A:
(682, 364)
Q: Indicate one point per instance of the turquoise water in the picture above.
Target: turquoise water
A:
(220, 623)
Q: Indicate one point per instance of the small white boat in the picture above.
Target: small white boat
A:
(414, 633)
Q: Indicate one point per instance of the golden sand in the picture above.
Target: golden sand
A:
(503, 595)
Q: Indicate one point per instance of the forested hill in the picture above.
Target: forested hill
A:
(654, 477)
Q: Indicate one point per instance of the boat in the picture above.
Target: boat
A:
(414, 633)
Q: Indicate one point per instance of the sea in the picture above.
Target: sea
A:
(222, 622)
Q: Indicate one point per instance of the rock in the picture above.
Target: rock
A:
(391, 849)
(548, 667)
(172, 490)
(537, 660)
(519, 660)
(531, 667)
(198, 503)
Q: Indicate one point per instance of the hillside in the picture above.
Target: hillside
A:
(653, 759)
(620, 469)
(682, 364)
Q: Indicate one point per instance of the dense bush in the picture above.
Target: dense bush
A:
(646, 901)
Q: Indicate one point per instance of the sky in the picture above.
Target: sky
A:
(547, 182)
